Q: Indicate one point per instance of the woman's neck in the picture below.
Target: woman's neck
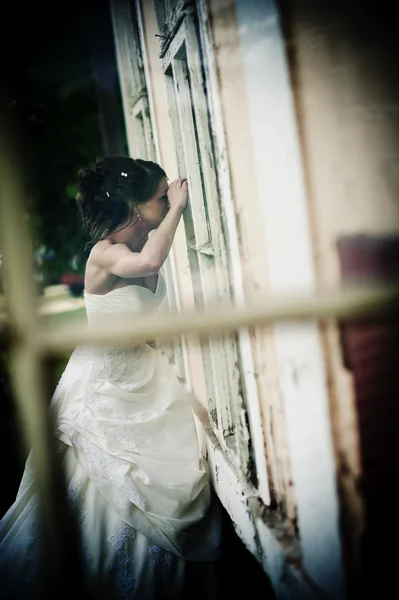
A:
(135, 239)
(136, 244)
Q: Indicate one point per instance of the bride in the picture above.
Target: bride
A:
(123, 420)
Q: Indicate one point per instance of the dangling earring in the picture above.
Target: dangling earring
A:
(139, 215)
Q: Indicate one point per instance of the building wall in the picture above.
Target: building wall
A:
(345, 85)
(246, 202)
(293, 526)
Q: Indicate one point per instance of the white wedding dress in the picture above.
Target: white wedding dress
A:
(133, 467)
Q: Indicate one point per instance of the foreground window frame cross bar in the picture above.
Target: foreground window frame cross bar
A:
(33, 347)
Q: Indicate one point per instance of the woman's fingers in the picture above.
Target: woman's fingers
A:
(179, 181)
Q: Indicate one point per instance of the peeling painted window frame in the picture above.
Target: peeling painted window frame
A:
(142, 126)
(170, 14)
(130, 50)
(206, 246)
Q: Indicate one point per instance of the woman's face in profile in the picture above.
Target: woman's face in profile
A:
(154, 210)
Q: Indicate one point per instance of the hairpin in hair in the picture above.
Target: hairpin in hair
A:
(107, 194)
(123, 174)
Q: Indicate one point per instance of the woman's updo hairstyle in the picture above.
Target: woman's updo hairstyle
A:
(109, 190)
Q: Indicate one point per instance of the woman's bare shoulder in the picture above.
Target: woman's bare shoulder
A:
(98, 280)
(105, 253)
(97, 252)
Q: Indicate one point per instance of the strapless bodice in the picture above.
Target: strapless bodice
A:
(129, 299)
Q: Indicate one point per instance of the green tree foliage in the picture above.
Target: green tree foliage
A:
(59, 134)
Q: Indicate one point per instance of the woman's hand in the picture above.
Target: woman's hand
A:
(178, 194)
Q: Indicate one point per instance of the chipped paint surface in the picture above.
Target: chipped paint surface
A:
(264, 533)
(276, 376)
(299, 356)
(250, 407)
(343, 75)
